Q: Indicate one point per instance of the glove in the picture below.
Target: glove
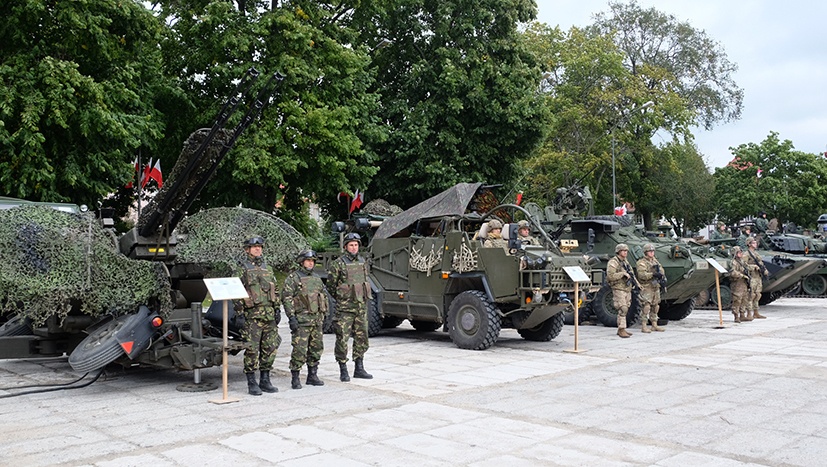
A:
(294, 323)
(240, 320)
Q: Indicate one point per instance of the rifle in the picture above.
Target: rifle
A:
(746, 270)
(660, 276)
(760, 263)
(632, 280)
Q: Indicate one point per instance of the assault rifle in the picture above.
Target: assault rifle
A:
(746, 270)
(632, 280)
(660, 277)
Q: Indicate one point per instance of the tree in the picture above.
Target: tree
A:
(773, 177)
(685, 188)
(79, 84)
(458, 94)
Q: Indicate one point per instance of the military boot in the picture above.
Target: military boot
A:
(744, 317)
(644, 328)
(265, 383)
(748, 316)
(737, 316)
(655, 326)
(294, 382)
(343, 376)
(621, 328)
(756, 315)
(312, 378)
(360, 372)
(252, 385)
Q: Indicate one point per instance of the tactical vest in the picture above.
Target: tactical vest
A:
(356, 287)
(312, 298)
(260, 285)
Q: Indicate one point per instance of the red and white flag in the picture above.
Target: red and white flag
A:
(129, 185)
(358, 199)
(155, 174)
(145, 175)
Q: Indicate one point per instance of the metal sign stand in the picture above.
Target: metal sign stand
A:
(226, 289)
(718, 271)
(576, 274)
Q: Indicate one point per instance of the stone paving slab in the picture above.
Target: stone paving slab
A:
(750, 394)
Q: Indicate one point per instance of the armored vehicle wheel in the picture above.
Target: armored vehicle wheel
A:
(100, 347)
(676, 311)
(16, 326)
(327, 325)
(546, 331)
(425, 326)
(391, 322)
(473, 321)
(726, 296)
(604, 309)
(814, 284)
(375, 320)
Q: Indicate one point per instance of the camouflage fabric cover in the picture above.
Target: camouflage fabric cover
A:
(451, 202)
(213, 236)
(380, 207)
(52, 262)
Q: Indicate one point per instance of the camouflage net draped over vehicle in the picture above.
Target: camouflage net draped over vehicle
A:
(380, 207)
(216, 237)
(52, 262)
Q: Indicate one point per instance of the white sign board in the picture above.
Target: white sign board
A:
(226, 288)
(716, 265)
(576, 273)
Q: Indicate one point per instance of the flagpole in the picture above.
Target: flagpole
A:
(138, 182)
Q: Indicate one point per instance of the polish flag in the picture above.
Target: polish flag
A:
(128, 186)
(519, 197)
(155, 174)
(145, 176)
(358, 199)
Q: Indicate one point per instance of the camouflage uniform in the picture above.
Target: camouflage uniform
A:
(526, 239)
(719, 233)
(304, 298)
(621, 283)
(495, 241)
(261, 317)
(348, 284)
(649, 290)
(756, 282)
(738, 281)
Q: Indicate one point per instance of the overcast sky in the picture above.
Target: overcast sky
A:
(780, 48)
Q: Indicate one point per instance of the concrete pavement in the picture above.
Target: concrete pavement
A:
(749, 394)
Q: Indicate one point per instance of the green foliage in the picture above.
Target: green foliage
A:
(684, 188)
(792, 185)
(78, 83)
(458, 92)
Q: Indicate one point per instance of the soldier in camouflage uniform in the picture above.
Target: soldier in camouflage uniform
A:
(348, 284)
(756, 278)
(746, 234)
(650, 275)
(305, 304)
(739, 283)
(622, 280)
(721, 233)
(260, 313)
(524, 231)
(494, 238)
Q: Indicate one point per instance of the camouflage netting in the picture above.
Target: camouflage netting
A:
(380, 207)
(216, 237)
(52, 262)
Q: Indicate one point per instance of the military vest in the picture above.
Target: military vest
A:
(312, 298)
(260, 285)
(355, 287)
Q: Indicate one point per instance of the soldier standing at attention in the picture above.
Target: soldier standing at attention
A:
(650, 274)
(756, 281)
(739, 282)
(495, 239)
(260, 313)
(524, 231)
(305, 304)
(348, 284)
(622, 280)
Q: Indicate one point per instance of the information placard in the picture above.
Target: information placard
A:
(576, 273)
(716, 265)
(226, 288)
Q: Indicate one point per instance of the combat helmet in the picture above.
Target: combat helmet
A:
(353, 237)
(648, 247)
(253, 241)
(494, 224)
(523, 224)
(736, 249)
(620, 247)
(306, 254)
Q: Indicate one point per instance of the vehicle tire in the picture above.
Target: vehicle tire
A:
(726, 296)
(390, 322)
(814, 284)
(100, 347)
(375, 320)
(546, 331)
(604, 309)
(328, 326)
(473, 321)
(16, 326)
(425, 326)
(677, 311)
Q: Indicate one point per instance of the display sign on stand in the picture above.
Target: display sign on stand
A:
(578, 275)
(718, 271)
(225, 289)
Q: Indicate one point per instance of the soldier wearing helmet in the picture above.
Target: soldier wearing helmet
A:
(305, 304)
(349, 286)
(756, 282)
(495, 238)
(651, 276)
(762, 224)
(721, 233)
(622, 280)
(260, 315)
(524, 231)
(739, 286)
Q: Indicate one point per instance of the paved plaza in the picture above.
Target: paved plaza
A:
(749, 394)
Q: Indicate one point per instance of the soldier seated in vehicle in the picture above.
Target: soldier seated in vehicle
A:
(494, 236)
(524, 231)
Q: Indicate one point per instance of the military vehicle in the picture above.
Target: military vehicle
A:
(167, 333)
(687, 274)
(429, 266)
(803, 243)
